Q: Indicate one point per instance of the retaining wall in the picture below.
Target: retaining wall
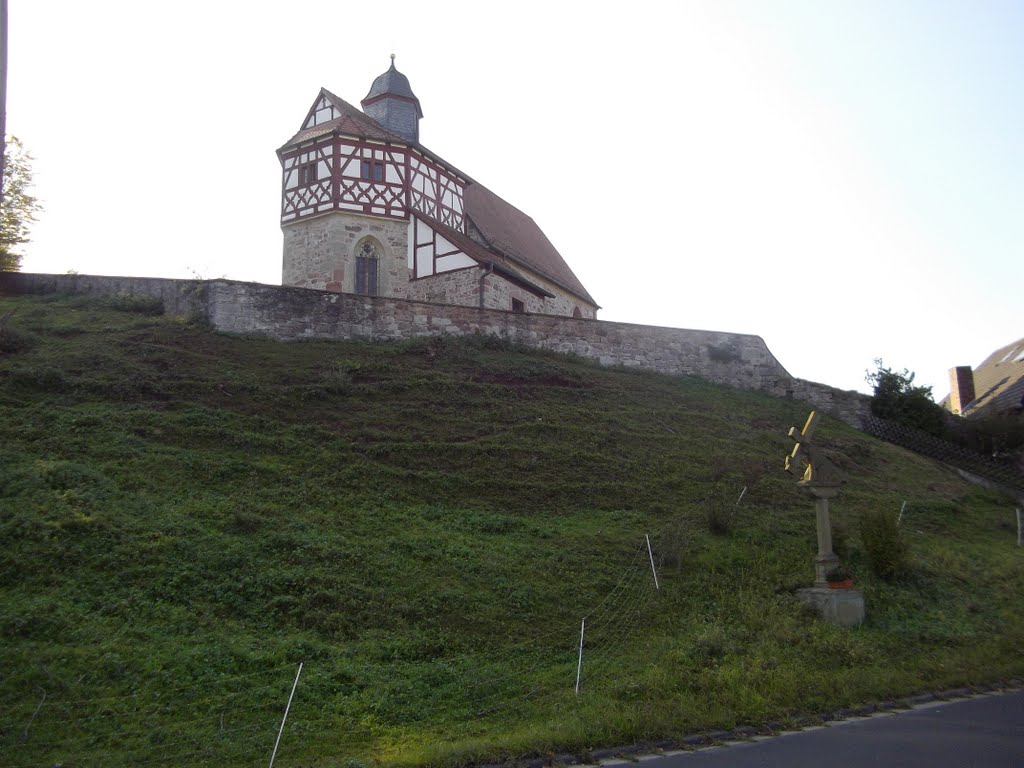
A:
(288, 314)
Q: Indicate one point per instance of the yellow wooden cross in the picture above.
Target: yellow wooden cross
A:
(807, 461)
(798, 462)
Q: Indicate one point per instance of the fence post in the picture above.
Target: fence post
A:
(1020, 532)
(289, 706)
(24, 736)
(579, 664)
(650, 554)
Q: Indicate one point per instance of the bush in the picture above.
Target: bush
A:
(720, 515)
(897, 399)
(674, 543)
(885, 545)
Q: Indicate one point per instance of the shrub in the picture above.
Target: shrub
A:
(720, 515)
(712, 643)
(674, 543)
(885, 545)
(897, 399)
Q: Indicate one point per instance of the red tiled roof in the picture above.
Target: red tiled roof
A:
(517, 236)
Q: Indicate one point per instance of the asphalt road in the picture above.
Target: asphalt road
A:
(987, 732)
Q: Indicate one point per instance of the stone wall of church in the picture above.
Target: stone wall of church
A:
(563, 303)
(461, 287)
(500, 292)
(320, 253)
(285, 313)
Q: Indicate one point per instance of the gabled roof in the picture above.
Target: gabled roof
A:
(508, 232)
(482, 255)
(999, 380)
(517, 236)
(350, 122)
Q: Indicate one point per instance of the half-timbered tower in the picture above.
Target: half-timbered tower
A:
(366, 208)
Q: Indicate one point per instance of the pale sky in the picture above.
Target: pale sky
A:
(844, 179)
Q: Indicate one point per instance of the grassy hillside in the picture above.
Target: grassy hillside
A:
(185, 517)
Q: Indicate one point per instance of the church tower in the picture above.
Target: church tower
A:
(392, 103)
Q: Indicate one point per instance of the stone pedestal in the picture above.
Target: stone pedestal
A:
(844, 607)
(826, 559)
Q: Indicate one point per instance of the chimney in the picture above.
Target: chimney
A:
(961, 388)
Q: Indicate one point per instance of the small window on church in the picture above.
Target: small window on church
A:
(518, 306)
(372, 170)
(367, 258)
(307, 173)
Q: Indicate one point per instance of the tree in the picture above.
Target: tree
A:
(897, 399)
(17, 208)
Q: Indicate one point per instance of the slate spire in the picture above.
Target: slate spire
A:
(392, 103)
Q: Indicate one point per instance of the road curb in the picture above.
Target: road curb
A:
(717, 739)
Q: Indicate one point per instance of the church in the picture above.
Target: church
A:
(367, 209)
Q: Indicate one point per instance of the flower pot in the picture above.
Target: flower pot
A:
(844, 584)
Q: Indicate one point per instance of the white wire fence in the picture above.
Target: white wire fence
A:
(237, 719)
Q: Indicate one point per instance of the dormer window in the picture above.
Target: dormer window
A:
(372, 170)
(307, 173)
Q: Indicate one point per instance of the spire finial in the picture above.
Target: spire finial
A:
(392, 59)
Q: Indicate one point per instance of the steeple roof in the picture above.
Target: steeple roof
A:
(392, 83)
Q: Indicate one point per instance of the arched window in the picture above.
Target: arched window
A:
(367, 259)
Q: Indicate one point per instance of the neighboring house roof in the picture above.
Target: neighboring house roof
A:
(508, 232)
(999, 381)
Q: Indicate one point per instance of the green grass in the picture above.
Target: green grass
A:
(186, 516)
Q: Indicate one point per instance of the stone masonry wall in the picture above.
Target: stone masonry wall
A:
(288, 314)
(461, 286)
(320, 253)
(180, 297)
(563, 303)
